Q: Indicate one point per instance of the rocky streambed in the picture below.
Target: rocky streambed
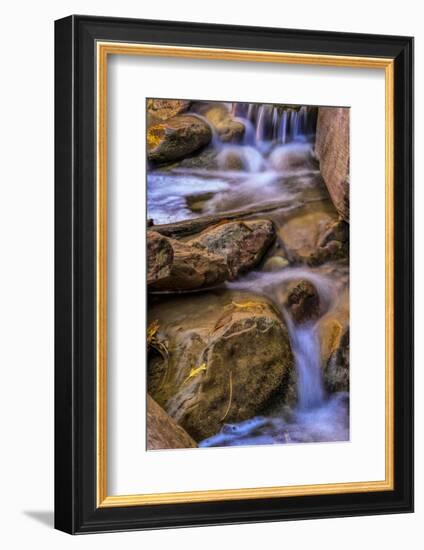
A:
(248, 275)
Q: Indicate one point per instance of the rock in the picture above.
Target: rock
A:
(292, 156)
(204, 159)
(177, 138)
(333, 244)
(240, 158)
(332, 152)
(303, 302)
(229, 356)
(334, 323)
(275, 263)
(336, 371)
(197, 202)
(162, 109)
(241, 243)
(231, 160)
(228, 129)
(163, 432)
(160, 257)
(301, 233)
(186, 268)
(338, 231)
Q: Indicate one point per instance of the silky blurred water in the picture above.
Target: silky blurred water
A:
(273, 164)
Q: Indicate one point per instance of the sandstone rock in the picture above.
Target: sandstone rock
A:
(163, 432)
(228, 129)
(162, 109)
(229, 355)
(336, 371)
(177, 138)
(332, 151)
(301, 233)
(303, 302)
(241, 243)
(292, 156)
(160, 257)
(185, 268)
(334, 323)
(240, 158)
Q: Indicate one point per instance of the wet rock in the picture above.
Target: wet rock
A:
(160, 257)
(302, 233)
(240, 158)
(231, 160)
(228, 129)
(332, 151)
(303, 302)
(241, 243)
(163, 432)
(334, 323)
(174, 265)
(336, 371)
(275, 263)
(291, 157)
(197, 202)
(229, 355)
(162, 109)
(177, 138)
(332, 245)
(338, 231)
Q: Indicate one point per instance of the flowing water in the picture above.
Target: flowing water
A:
(273, 166)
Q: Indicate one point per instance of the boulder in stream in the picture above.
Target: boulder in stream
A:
(332, 151)
(229, 356)
(162, 109)
(309, 235)
(228, 129)
(177, 138)
(163, 432)
(242, 243)
(303, 301)
(174, 265)
(336, 370)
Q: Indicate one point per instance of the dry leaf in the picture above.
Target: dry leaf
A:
(152, 330)
(248, 304)
(195, 371)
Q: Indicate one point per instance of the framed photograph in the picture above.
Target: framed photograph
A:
(234, 274)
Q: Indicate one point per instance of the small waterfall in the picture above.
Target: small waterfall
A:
(276, 123)
(316, 416)
(306, 350)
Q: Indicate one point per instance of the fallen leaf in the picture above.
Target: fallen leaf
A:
(248, 304)
(195, 371)
(152, 329)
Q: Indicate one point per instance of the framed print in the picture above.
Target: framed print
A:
(234, 274)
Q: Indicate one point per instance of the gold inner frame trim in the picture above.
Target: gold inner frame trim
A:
(104, 49)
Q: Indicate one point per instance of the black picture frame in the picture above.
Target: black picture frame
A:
(76, 510)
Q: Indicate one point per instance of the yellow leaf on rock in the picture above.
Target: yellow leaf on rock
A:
(195, 371)
(151, 331)
(248, 304)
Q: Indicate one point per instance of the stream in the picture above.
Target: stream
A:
(274, 164)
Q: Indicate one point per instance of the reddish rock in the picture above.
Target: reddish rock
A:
(163, 432)
(303, 302)
(241, 243)
(160, 257)
(332, 151)
(186, 268)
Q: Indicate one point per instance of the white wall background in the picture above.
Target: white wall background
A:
(26, 273)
